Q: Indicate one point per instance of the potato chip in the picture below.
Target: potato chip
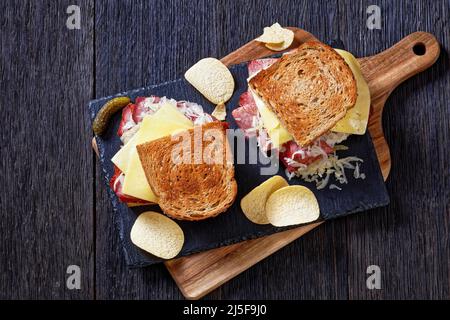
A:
(254, 203)
(272, 34)
(292, 205)
(157, 234)
(220, 112)
(212, 78)
(288, 38)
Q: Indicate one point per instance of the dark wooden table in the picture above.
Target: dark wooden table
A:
(54, 207)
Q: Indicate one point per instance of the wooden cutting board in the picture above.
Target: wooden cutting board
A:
(198, 274)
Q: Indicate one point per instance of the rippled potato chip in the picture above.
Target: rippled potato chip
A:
(272, 34)
(213, 79)
(254, 203)
(292, 205)
(276, 38)
(288, 38)
(157, 234)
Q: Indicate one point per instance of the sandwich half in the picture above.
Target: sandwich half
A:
(148, 118)
(191, 172)
(304, 105)
(309, 90)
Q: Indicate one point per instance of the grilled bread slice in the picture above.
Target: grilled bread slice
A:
(309, 90)
(191, 172)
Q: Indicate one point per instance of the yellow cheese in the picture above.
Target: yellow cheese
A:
(120, 159)
(355, 120)
(135, 183)
(167, 114)
(277, 133)
(166, 121)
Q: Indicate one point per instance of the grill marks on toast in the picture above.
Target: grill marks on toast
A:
(198, 184)
(309, 90)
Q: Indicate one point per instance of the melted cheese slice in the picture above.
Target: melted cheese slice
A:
(355, 120)
(166, 121)
(277, 133)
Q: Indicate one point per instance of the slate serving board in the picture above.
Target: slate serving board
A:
(232, 226)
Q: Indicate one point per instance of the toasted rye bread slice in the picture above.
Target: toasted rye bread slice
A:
(309, 90)
(191, 183)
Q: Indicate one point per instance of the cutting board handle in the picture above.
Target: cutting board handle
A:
(411, 55)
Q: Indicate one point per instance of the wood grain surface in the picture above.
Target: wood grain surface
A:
(47, 167)
(56, 212)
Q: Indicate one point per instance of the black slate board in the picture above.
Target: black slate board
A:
(233, 226)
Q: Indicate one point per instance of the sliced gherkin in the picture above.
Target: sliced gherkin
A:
(109, 108)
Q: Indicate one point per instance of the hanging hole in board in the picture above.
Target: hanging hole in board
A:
(419, 49)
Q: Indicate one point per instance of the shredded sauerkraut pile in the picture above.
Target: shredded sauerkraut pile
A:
(320, 170)
(328, 165)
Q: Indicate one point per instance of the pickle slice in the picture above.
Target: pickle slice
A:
(109, 108)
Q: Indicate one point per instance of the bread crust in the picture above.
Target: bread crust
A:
(195, 185)
(309, 90)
